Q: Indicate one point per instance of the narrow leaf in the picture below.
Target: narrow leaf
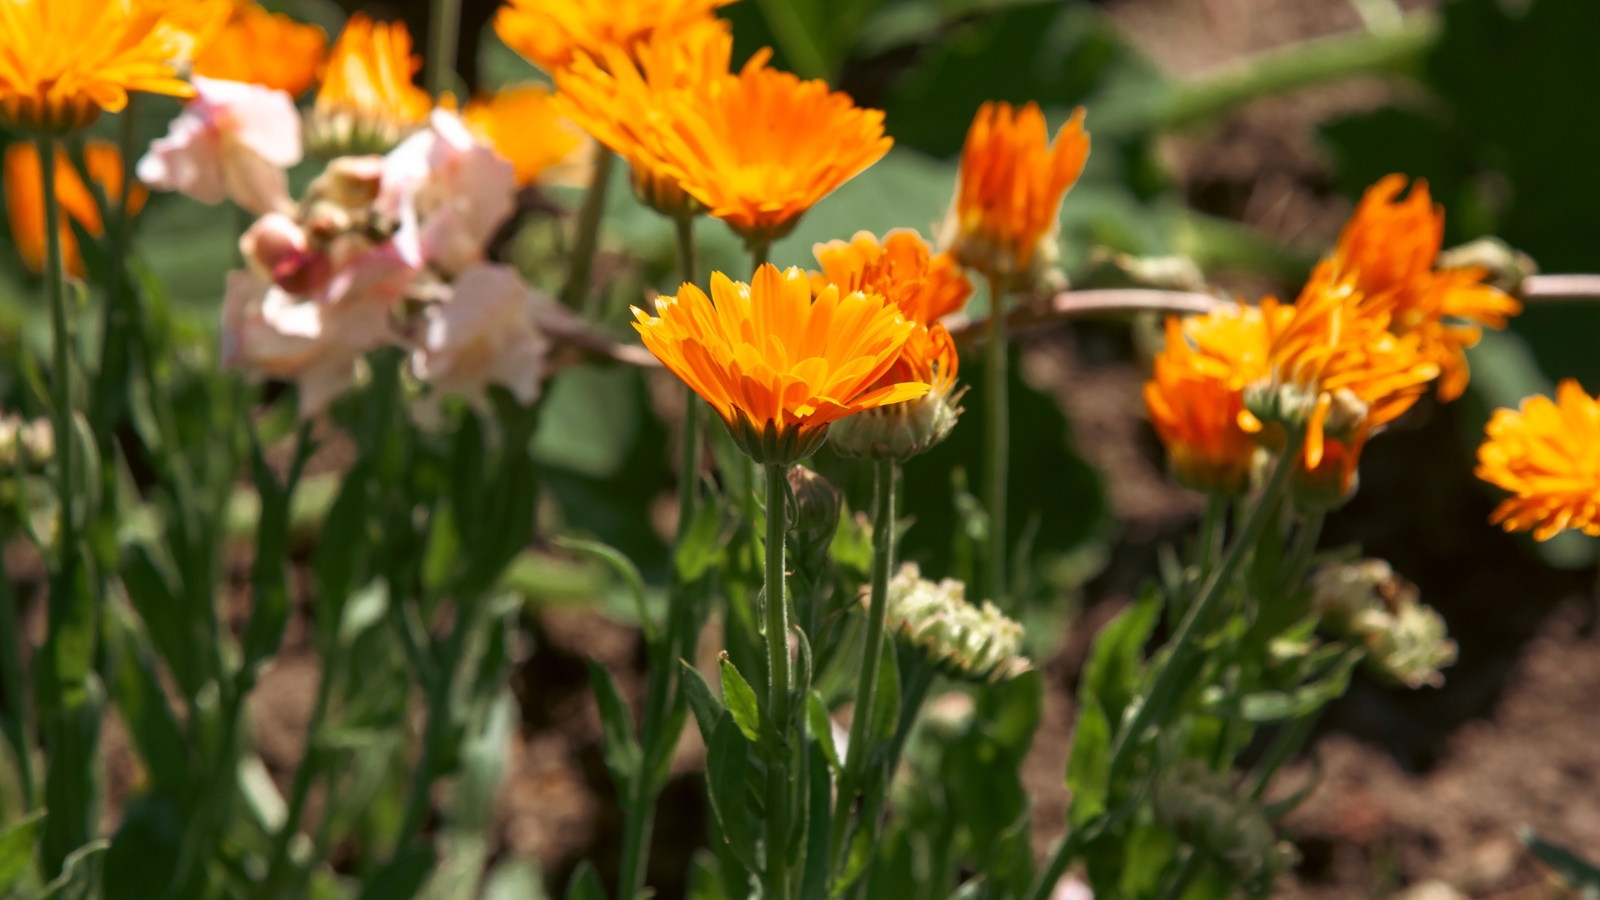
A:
(617, 739)
(707, 708)
(727, 773)
(741, 701)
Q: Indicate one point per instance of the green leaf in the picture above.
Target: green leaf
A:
(587, 421)
(16, 849)
(80, 874)
(365, 608)
(585, 883)
(1579, 874)
(1273, 706)
(727, 775)
(886, 705)
(707, 708)
(344, 535)
(401, 876)
(617, 739)
(625, 569)
(164, 618)
(144, 852)
(819, 817)
(820, 725)
(741, 701)
(1089, 764)
(702, 546)
(1116, 662)
(143, 703)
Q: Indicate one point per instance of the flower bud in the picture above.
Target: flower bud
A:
(962, 641)
(1200, 806)
(1506, 266)
(1406, 640)
(898, 431)
(817, 505)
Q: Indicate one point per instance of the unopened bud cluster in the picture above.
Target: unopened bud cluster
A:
(1367, 602)
(973, 643)
(1201, 806)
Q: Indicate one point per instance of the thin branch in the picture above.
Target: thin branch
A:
(1559, 287)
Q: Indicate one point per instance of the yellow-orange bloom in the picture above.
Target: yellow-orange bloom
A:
(1196, 395)
(367, 101)
(925, 285)
(776, 365)
(1547, 455)
(551, 33)
(621, 99)
(1008, 196)
(1389, 247)
(523, 126)
(762, 147)
(25, 199)
(1335, 368)
(269, 49)
(63, 61)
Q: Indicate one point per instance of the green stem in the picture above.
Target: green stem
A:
(588, 237)
(18, 732)
(444, 25)
(1208, 547)
(776, 876)
(437, 725)
(311, 762)
(803, 54)
(1183, 876)
(1285, 744)
(758, 256)
(1303, 548)
(872, 651)
(1174, 672)
(997, 442)
(61, 383)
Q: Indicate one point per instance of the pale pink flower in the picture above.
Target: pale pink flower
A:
(449, 192)
(233, 141)
(484, 334)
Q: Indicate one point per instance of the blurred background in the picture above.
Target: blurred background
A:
(1235, 133)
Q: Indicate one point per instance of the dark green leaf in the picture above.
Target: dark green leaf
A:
(80, 876)
(820, 725)
(886, 705)
(1272, 706)
(585, 884)
(1579, 874)
(621, 747)
(16, 849)
(144, 852)
(819, 813)
(1116, 662)
(727, 774)
(707, 708)
(1089, 764)
(164, 619)
(402, 876)
(343, 537)
(143, 704)
(702, 545)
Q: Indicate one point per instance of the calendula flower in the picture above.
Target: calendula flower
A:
(25, 199)
(550, 33)
(64, 61)
(903, 269)
(1008, 197)
(1197, 393)
(449, 191)
(484, 334)
(233, 141)
(269, 49)
(367, 101)
(1547, 455)
(621, 99)
(778, 367)
(1389, 248)
(522, 125)
(1336, 371)
(760, 148)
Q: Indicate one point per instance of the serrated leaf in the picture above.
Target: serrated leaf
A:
(741, 700)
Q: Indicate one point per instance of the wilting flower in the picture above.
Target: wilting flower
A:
(367, 101)
(777, 366)
(312, 339)
(451, 189)
(1547, 455)
(550, 33)
(972, 643)
(25, 199)
(1406, 640)
(233, 141)
(522, 125)
(925, 287)
(1197, 393)
(623, 102)
(760, 148)
(1389, 248)
(269, 49)
(63, 61)
(1008, 198)
(1338, 375)
(482, 335)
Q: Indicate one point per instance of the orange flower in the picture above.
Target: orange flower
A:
(63, 61)
(1389, 247)
(523, 126)
(551, 33)
(620, 100)
(778, 367)
(1547, 455)
(762, 147)
(25, 199)
(269, 49)
(1008, 198)
(367, 101)
(1336, 369)
(926, 286)
(1196, 396)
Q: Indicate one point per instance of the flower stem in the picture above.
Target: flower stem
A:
(588, 238)
(444, 28)
(872, 651)
(998, 443)
(311, 762)
(1173, 674)
(776, 876)
(61, 383)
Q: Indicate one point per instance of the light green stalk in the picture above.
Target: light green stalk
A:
(588, 236)
(776, 876)
(997, 442)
